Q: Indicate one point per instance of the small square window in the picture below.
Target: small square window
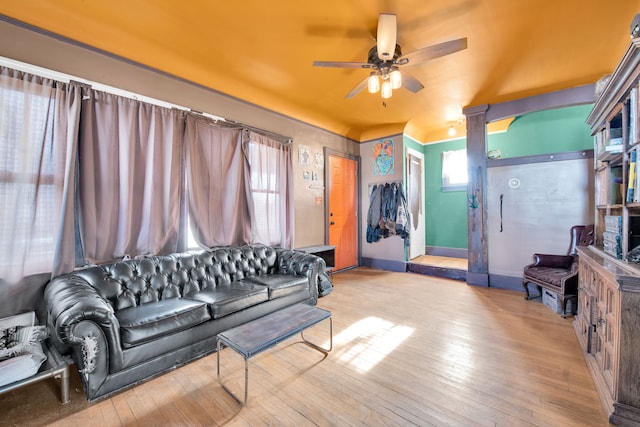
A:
(454, 170)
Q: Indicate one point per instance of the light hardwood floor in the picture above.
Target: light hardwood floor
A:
(441, 261)
(408, 350)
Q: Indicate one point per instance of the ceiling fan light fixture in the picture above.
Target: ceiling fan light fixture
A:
(396, 79)
(386, 89)
(373, 84)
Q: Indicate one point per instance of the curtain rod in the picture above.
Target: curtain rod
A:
(67, 78)
(280, 138)
(232, 123)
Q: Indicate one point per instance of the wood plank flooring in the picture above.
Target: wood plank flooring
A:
(408, 350)
(441, 261)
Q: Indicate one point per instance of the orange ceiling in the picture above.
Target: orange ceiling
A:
(262, 51)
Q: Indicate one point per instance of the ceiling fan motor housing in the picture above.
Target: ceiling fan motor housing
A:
(379, 63)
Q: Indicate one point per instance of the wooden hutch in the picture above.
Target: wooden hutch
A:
(608, 319)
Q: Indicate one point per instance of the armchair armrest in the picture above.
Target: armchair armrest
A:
(553, 261)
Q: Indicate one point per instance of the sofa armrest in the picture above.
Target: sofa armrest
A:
(302, 264)
(71, 302)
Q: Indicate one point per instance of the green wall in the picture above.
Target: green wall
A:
(544, 132)
(446, 212)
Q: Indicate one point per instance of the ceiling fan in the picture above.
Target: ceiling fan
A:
(386, 59)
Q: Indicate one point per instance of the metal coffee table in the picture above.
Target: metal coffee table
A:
(261, 334)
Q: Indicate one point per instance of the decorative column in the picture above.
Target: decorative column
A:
(478, 259)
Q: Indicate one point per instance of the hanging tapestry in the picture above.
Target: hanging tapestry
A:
(383, 157)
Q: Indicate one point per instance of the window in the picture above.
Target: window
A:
(192, 243)
(267, 201)
(29, 192)
(454, 170)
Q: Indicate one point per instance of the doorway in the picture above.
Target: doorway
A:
(415, 203)
(342, 207)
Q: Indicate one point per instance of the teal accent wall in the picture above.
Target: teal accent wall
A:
(446, 212)
(552, 131)
(545, 132)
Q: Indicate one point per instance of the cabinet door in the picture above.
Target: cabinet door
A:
(606, 331)
(611, 338)
(585, 316)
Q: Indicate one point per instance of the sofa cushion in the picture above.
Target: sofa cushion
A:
(229, 298)
(279, 285)
(152, 320)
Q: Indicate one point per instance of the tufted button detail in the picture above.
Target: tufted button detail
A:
(172, 276)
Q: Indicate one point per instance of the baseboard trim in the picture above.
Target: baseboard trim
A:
(507, 282)
(478, 279)
(384, 264)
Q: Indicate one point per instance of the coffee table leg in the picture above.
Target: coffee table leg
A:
(246, 380)
(246, 377)
(316, 346)
(218, 351)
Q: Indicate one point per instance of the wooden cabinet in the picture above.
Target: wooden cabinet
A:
(608, 321)
(608, 329)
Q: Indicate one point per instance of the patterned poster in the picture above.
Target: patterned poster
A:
(383, 157)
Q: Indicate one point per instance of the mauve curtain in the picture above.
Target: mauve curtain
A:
(38, 129)
(130, 186)
(216, 170)
(271, 190)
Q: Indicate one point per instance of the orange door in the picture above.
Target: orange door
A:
(343, 210)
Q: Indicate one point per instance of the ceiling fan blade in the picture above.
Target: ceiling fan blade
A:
(337, 64)
(359, 87)
(410, 83)
(433, 52)
(387, 34)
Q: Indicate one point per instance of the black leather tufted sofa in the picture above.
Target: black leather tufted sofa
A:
(128, 321)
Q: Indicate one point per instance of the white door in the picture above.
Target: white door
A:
(415, 202)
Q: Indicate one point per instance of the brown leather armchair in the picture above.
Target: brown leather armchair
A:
(558, 273)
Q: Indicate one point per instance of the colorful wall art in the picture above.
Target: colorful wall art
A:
(383, 157)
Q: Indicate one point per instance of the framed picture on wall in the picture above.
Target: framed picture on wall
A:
(304, 155)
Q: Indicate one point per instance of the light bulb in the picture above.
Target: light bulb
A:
(396, 79)
(386, 89)
(373, 84)
(452, 131)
